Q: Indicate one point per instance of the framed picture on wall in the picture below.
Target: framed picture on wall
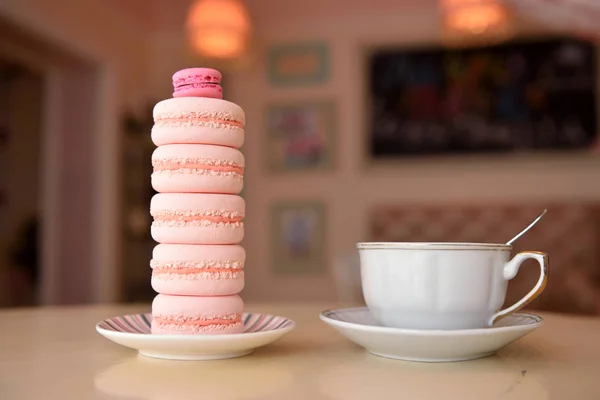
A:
(298, 237)
(299, 64)
(300, 136)
(527, 95)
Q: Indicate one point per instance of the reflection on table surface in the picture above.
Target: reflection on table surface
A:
(55, 353)
(148, 378)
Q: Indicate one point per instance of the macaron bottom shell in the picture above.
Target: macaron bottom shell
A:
(198, 234)
(196, 183)
(197, 135)
(200, 90)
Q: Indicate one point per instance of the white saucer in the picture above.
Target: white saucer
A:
(358, 325)
(134, 331)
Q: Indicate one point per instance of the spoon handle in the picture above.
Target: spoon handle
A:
(535, 221)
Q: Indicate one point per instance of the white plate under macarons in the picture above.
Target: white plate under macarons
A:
(358, 325)
(134, 331)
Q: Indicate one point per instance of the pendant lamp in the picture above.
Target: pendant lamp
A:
(467, 22)
(218, 29)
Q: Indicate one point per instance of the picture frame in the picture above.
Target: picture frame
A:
(301, 136)
(298, 238)
(420, 106)
(299, 64)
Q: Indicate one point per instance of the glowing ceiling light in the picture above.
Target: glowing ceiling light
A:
(218, 28)
(475, 20)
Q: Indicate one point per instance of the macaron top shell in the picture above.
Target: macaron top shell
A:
(197, 306)
(185, 252)
(196, 74)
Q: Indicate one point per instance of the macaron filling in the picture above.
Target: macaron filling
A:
(190, 79)
(178, 218)
(193, 118)
(202, 85)
(190, 270)
(197, 324)
(202, 166)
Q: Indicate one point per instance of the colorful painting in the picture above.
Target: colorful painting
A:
(299, 64)
(298, 238)
(300, 137)
(512, 97)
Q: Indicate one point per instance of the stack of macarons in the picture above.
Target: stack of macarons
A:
(198, 264)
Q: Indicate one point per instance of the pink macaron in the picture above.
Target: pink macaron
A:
(198, 270)
(197, 218)
(197, 82)
(199, 120)
(197, 168)
(197, 315)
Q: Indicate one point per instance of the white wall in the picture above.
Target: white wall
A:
(354, 188)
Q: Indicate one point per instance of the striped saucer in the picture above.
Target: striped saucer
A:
(133, 331)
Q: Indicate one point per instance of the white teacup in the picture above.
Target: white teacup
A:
(442, 285)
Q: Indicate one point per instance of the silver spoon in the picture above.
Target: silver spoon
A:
(535, 221)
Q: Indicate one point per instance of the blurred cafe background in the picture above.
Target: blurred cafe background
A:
(380, 120)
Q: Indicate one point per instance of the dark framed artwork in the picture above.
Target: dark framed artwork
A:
(521, 96)
(298, 237)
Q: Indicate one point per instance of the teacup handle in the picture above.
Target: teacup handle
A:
(511, 269)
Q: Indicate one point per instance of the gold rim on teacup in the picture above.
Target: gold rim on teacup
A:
(433, 246)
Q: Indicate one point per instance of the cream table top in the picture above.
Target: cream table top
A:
(55, 353)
